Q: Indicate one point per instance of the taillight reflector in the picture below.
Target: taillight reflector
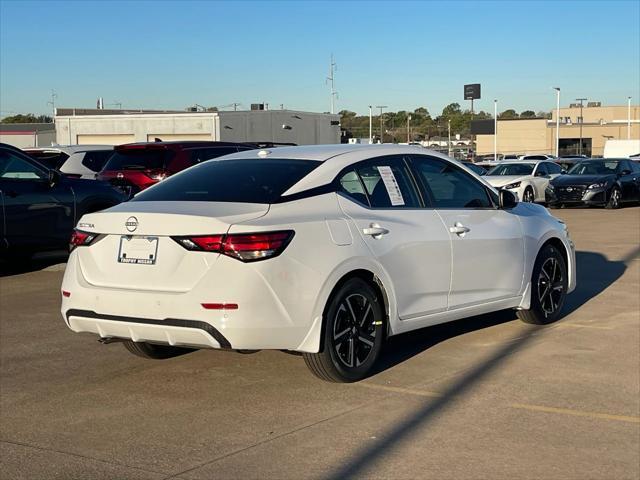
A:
(65, 293)
(247, 247)
(220, 306)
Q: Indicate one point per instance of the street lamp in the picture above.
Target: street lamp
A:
(581, 122)
(381, 131)
(408, 128)
(495, 130)
(628, 118)
(557, 89)
(370, 126)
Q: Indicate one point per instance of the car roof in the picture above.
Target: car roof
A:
(334, 159)
(176, 144)
(69, 149)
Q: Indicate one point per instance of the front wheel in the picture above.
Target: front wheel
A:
(528, 196)
(548, 288)
(153, 351)
(614, 199)
(352, 336)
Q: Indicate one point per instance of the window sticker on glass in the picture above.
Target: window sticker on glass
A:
(391, 184)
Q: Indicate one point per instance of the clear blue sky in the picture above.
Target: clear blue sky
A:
(165, 54)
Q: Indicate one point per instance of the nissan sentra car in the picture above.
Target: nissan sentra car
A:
(324, 250)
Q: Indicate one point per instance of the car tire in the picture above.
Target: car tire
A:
(153, 351)
(352, 336)
(615, 199)
(549, 281)
(528, 195)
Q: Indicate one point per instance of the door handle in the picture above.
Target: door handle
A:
(459, 229)
(375, 230)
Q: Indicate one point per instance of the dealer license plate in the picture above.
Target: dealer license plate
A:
(139, 250)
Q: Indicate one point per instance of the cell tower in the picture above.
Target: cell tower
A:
(333, 67)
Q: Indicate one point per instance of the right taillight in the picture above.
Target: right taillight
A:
(81, 239)
(246, 247)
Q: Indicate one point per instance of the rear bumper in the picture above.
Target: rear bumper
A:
(270, 314)
(171, 331)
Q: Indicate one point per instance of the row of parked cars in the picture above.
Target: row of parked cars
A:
(45, 191)
(565, 181)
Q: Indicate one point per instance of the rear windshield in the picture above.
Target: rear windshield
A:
(95, 159)
(49, 159)
(138, 159)
(243, 181)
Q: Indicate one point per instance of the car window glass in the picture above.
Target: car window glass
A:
(202, 154)
(95, 160)
(542, 169)
(635, 167)
(14, 167)
(351, 186)
(241, 180)
(553, 168)
(622, 166)
(449, 186)
(388, 184)
(512, 169)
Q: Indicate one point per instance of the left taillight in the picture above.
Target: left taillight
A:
(81, 239)
(246, 247)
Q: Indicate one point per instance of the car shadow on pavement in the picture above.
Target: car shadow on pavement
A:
(594, 275)
(20, 265)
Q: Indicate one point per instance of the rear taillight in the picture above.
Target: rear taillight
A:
(81, 239)
(247, 247)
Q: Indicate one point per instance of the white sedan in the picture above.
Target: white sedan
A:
(527, 180)
(325, 250)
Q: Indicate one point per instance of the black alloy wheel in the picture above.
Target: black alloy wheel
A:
(549, 283)
(353, 334)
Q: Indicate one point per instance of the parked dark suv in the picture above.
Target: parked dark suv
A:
(135, 166)
(39, 207)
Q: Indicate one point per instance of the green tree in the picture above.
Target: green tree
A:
(528, 114)
(507, 114)
(28, 118)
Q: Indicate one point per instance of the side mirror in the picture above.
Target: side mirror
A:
(54, 177)
(507, 199)
(563, 171)
(540, 174)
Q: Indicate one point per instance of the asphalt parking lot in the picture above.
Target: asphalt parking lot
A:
(487, 397)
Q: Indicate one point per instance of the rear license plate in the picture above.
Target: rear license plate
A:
(139, 250)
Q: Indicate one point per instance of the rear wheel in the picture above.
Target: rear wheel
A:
(353, 334)
(548, 288)
(153, 351)
(614, 199)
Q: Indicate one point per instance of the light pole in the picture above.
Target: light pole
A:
(370, 126)
(581, 122)
(495, 130)
(381, 131)
(557, 89)
(449, 135)
(628, 118)
(408, 128)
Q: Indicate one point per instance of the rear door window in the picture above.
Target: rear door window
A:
(242, 181)
(553, 168)
(388, 183)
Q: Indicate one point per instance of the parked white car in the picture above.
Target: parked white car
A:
(325, 250)
(526, 180)
(78, 161)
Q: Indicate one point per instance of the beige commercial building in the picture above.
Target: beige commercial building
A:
(538, 135)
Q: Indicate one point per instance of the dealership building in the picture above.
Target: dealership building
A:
(114, 127)
(595, 125)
